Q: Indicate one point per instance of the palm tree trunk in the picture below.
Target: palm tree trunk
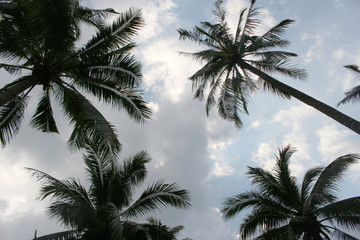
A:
(318, 105)
(14, 90)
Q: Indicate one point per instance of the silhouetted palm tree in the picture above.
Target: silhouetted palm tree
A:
(283, 209)
(105, 210)
(38, 37)
(231, 61)
(354, 94)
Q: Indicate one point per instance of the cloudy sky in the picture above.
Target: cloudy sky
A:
(206, 155)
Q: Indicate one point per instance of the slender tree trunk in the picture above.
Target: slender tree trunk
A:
(318, 105)
(14, 90)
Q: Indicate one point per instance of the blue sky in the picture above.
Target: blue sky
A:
(206, 155)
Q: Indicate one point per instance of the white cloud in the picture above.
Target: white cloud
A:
(222, 170)
(168, 71)
(338, 54)
(233, 8)
(265, 155)
(334, 143)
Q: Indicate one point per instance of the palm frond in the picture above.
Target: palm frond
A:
(339, 234)
(43, 119)
(129, 175)
(260, 220)
(287, 183)
(272, 38)
(255, 200)
(308, 180)
(88, 121)
(118, 34)
(354, 94)
(251, 22)
(72, 205)
(345, 213)
(65, 235)
(11, 116)
(158, 194)
(327, 183)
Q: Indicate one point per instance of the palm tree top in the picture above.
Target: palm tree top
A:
(228, 56)
(107, 206)
(103, 68)
(284, 209)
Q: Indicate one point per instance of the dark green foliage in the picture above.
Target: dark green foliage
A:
(105, 210)
(39, 37)
(283, 209)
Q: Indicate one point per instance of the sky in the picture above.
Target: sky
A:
(204, 154)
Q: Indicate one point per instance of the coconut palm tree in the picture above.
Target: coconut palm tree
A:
(354, 94)
(38, 38)
(283, 209)
(232, 61)
(106, 210)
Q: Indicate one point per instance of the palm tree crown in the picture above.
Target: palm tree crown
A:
(38, 37)
(232, 61)
(282, 209)
(354, 94)
(106, 209)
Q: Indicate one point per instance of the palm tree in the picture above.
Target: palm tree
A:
(283, 209)
(353, 94)
(38, 37)
(106, 210)
(231, 61)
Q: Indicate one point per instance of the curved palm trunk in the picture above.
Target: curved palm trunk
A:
(11, 92)
(318, 105)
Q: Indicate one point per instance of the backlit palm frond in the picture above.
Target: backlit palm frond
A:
(272, 38)
(251, 22)
(344, 213)
(283, 175)
(339, 234)
(65, 235)
(197, 35)
(273, 65)
(12, 68)
(282, 232)
(43, 119)
(11, 116)
(259, 220)
(354, 94)
(71, 206)
(93, 17)
(232, 100)
(88, 121)
(130, 174)
(307, 183)
(118, 34)
(157, 195)
(324, 189)
(54, 23)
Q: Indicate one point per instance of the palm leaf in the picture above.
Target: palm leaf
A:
(88, 121)
(307, 182)
(129, 175)
(345, 213)
(326, 185)
(158, 194)
(11, 116)
(354, 94)
(43, 119)
(72, 205)
(65, 235)
(118, 34)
